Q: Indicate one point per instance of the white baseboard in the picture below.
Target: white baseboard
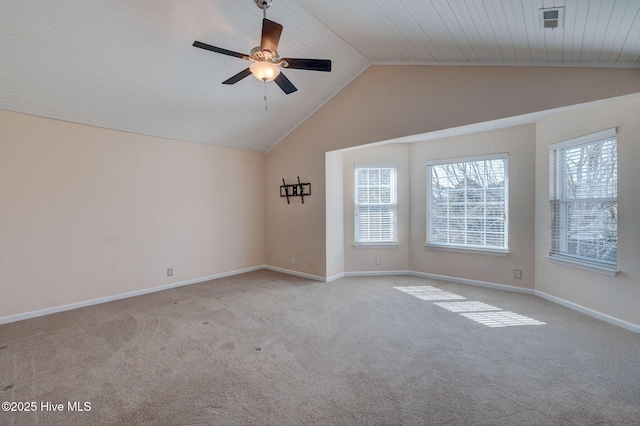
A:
(473, 282)
(442, 278)
(574, 306)
(335, 277)
(56, 309)
(296, 273)
(374, 273)
(588, 311)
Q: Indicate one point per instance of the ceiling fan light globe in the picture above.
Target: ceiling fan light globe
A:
(264, 71)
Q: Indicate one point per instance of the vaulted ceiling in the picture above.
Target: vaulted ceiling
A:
(129, 64)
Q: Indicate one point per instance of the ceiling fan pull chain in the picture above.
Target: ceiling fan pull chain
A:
(265, 94)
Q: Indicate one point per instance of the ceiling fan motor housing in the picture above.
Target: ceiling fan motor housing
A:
(259, 55)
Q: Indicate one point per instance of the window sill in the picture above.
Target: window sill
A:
(490, 252)
(612, 272)
(375, 245)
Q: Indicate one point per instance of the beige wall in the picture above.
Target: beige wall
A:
(519, 143)
(363, 258)
(387, 102)
(615, 296)
(87, 213)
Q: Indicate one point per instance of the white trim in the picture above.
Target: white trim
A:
(496, 156)
(587, 311)
(296, 273)
(612, 272)
(442, 278)
(473, 250)
(377, 245)
(574, 306)
(589, 138)
(76, 305)
(375, 166)
(473, 282)
(335, 277)
(375, 273)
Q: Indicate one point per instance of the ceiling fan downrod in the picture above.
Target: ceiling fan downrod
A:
(264, 5)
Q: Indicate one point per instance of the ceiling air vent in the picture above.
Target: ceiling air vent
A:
(552, 17)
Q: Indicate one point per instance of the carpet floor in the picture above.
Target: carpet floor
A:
(264, 348)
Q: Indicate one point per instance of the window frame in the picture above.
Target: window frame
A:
(393, 205)
(558, 198)
(469, 248)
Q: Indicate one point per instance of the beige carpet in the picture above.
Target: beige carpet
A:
(265, 348)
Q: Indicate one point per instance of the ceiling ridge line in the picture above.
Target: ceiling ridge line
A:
(514, 64)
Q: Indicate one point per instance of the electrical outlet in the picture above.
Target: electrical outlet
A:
(378, 261)
(292, 260)
(169, 272)
(517, 273)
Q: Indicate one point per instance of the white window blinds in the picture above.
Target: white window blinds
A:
(375, 196)
(468, 202)
(584, 199)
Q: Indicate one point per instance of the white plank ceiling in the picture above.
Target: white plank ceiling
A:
(129, 64)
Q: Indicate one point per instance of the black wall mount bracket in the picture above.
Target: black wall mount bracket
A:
(295, 190)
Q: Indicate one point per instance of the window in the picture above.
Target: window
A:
(583, 200)
(375, 195)
(467, 204)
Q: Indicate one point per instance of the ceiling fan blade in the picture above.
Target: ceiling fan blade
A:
(308, 64)
(236, 78)
(219, 50)
(270, 35)
(284, 83)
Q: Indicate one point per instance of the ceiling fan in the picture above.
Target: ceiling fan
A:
(266, 62)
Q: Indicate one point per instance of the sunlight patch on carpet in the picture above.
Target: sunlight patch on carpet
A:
(501, 319)
(428, 292)
(467, 306)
